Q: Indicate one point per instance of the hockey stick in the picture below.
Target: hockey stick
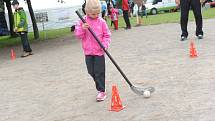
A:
(137, 90)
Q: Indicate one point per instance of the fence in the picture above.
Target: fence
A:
(55, 18)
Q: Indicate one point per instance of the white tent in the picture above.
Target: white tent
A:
(50, 14)
(47, 4)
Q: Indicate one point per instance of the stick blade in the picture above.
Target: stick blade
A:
(140, 90)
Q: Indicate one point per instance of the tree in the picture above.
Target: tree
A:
(3, 23)
(33, 19)
(11, 21)
(10, 14)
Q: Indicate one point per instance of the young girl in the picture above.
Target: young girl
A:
(114, 16)
(94, 55)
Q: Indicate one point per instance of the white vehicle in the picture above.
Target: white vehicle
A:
(155, 6)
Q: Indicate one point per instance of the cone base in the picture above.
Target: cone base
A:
(193, 56)
(12, 58)
(117, 109)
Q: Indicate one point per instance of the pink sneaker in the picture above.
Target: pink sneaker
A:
(101, 96)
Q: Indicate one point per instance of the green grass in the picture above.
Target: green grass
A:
(151, 20)
(44, 35)
(166, 18)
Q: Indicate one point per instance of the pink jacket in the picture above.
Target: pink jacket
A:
(114, 14)
(89, 44)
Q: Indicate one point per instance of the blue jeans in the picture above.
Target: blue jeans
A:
(25, 42)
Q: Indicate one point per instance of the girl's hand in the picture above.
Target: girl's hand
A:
(85, 26)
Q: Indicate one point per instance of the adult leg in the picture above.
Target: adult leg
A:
(185, 6)
(196, 6)
(126, 18)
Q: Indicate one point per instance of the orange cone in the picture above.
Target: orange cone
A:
(193, 52)
(116, 104)
(12, 54)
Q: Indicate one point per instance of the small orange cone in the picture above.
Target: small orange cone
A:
(193, 52)
(116, 104)
(12, 54)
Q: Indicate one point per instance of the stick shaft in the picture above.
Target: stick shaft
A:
(108, 54)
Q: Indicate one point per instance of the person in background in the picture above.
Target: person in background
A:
(141, 12)
(114, 16)
(21, 27)
(109, 2)
(125, 8)
(114, 3)
(136, 14)
(132, 8)
(83, 7)
(104, 9)
(110, 5)
(185, 7)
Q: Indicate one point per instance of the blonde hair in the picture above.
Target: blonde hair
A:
(93, 6)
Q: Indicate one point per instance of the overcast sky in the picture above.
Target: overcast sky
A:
(43, 4)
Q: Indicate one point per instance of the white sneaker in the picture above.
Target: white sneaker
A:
(200, 36)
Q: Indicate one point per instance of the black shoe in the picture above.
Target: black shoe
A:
(183, 38)
(200, 36)
(126, 28)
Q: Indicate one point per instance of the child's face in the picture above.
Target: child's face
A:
(93, 14)
(16, 6)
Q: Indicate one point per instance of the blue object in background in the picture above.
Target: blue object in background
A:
(120, 11)
(3, 25)
(104, 6)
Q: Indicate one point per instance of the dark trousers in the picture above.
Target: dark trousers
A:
(25, 42)
(96, 68)
(111, 23)
(126, 18)
(103, 14)
(196, 7)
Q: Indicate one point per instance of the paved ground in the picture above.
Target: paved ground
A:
(53, 85)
